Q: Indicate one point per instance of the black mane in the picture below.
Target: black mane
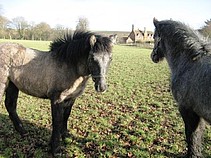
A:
(183, 37)
(75, 46)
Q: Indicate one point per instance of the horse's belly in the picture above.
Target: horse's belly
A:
(31, 90)
(36, 88)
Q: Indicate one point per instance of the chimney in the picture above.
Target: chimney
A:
(132, 27)
(145, 29)
(145, 33)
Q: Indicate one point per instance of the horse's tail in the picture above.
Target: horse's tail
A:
(3, 80)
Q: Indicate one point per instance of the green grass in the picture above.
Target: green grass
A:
(42, 45)
(136, 117)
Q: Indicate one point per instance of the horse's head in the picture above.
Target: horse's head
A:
(158, 52)
(99, 61)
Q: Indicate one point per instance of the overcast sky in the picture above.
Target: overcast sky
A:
(108, 15)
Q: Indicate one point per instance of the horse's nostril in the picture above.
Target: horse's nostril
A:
(100, 87)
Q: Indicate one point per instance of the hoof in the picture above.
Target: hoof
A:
(66, 135)
(20, 129)
(23, 133)
(56, 152)
(55, 149)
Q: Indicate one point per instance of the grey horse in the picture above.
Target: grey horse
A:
(59, 75)
(188, 55)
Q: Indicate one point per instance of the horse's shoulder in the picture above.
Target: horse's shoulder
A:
(74, 90)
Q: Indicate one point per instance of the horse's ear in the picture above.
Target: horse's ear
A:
(155, 22)
(92, 40)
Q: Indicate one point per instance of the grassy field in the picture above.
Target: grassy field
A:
(135, 118)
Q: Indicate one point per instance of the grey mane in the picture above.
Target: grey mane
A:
(184, 38)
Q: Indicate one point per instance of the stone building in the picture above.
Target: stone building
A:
(139, 36)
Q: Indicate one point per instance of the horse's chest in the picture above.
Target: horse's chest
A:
(75, 89)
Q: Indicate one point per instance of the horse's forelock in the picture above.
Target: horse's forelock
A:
(103, 44)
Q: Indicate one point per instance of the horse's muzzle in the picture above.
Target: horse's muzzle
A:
(100, 84)
(100, 87)
(154, 57)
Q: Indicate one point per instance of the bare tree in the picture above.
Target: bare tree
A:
(3, 26)
(60, 30)
(83, 24)
(21, 25)
(31, 31)
(206, 30)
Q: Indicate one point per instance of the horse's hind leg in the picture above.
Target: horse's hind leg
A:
(11, 104)
(194, 127)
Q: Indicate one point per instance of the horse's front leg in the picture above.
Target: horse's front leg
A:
(57, 120)
(194, 128)
(67, 110)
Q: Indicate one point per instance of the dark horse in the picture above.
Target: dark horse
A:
(189, 57)
(59, 75)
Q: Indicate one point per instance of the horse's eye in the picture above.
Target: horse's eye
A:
(94, 79)
(158, 39)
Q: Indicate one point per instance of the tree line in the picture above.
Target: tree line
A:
(19, 28)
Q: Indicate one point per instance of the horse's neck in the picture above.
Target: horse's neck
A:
(82, 68)
(177, 61)
(170, 54)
